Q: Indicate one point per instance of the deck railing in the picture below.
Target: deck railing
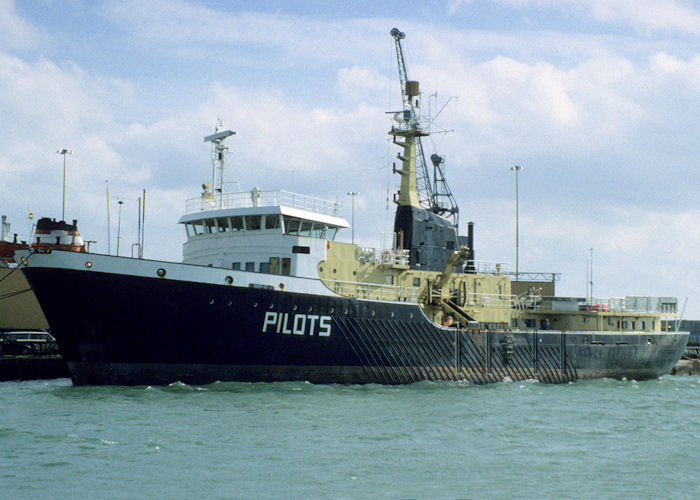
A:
(257, 198)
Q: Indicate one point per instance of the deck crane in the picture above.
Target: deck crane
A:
(437, 198)
(425, 193)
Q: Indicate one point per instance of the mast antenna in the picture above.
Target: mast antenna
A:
(218, 160)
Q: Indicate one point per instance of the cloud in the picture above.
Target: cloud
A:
(15, 32)
(642, 15)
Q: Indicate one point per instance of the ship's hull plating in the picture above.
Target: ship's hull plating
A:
(122, 329)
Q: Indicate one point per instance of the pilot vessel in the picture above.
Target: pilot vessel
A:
(265, 292)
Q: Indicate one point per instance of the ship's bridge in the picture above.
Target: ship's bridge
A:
(277, 232)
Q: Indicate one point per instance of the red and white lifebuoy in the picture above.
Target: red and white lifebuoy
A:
(386, 256)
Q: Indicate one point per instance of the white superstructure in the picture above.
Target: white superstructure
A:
(274, 232)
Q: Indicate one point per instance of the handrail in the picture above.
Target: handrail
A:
(217, 201)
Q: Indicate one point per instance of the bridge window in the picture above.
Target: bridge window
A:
(210, 225)
(198, 227)
(272, 221)
(305, 229)
(291, 225)
(222, 225)
(252, 222)
(237, 223)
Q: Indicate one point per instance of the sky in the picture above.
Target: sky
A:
(597, 100)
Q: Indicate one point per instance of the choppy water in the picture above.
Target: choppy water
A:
(591, 439)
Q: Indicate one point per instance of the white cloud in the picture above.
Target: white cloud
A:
(15, 32)
(643, 15)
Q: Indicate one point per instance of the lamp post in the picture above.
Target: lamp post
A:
(119, 225)
(353, 194)
(516, 169)
(64, 152)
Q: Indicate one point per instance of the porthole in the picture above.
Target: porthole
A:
(392, 314)
(331, 310)
(311, 308)
(371, 313)
(211, 302)
(160, 272)
(320, 269)
(294, 307)
(255, 304)
(272, 306)
(88, 264)
(229, 280)
(230, 303)
(410, 315)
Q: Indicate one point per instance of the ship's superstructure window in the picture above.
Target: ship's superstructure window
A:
(252, 222)
(237, 223)
(305, 228)
(222, 224)
(210, 225)
(272, 221)
(291, 225)
(250, 266)
(264, 267)
(302, 227)
(236, 265)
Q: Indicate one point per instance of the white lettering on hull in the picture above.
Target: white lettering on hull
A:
(301, 324)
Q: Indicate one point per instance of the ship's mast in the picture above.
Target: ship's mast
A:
(218, 160)
(415, 181)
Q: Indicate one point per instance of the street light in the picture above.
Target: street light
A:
(119, 225)
(64, 152)
(353, 194)
(516, 169)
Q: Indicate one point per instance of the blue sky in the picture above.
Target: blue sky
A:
(597, 99)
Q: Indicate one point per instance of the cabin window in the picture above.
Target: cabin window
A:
(301, 249)
(236, 265)
(274, 265)
(264, 267)
(250, 266)
(624, 324)
(644, 325)
(237, 223)
(198, 227)
(222, 225)
(389, 279)
(416, 281)
(210, 225)
(272, 221)
(330, 233)
(189, 229)
(529, 323)
(291, 225)
(252, 222)
(305, 229)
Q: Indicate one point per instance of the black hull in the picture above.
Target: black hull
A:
(121, 329)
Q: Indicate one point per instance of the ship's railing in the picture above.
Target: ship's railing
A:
(389, 256)
(392, 293)
(258, 198)
(630, 304)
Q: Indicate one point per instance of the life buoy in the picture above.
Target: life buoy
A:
(386, 256)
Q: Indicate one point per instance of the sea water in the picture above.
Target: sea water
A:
(589, 439)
